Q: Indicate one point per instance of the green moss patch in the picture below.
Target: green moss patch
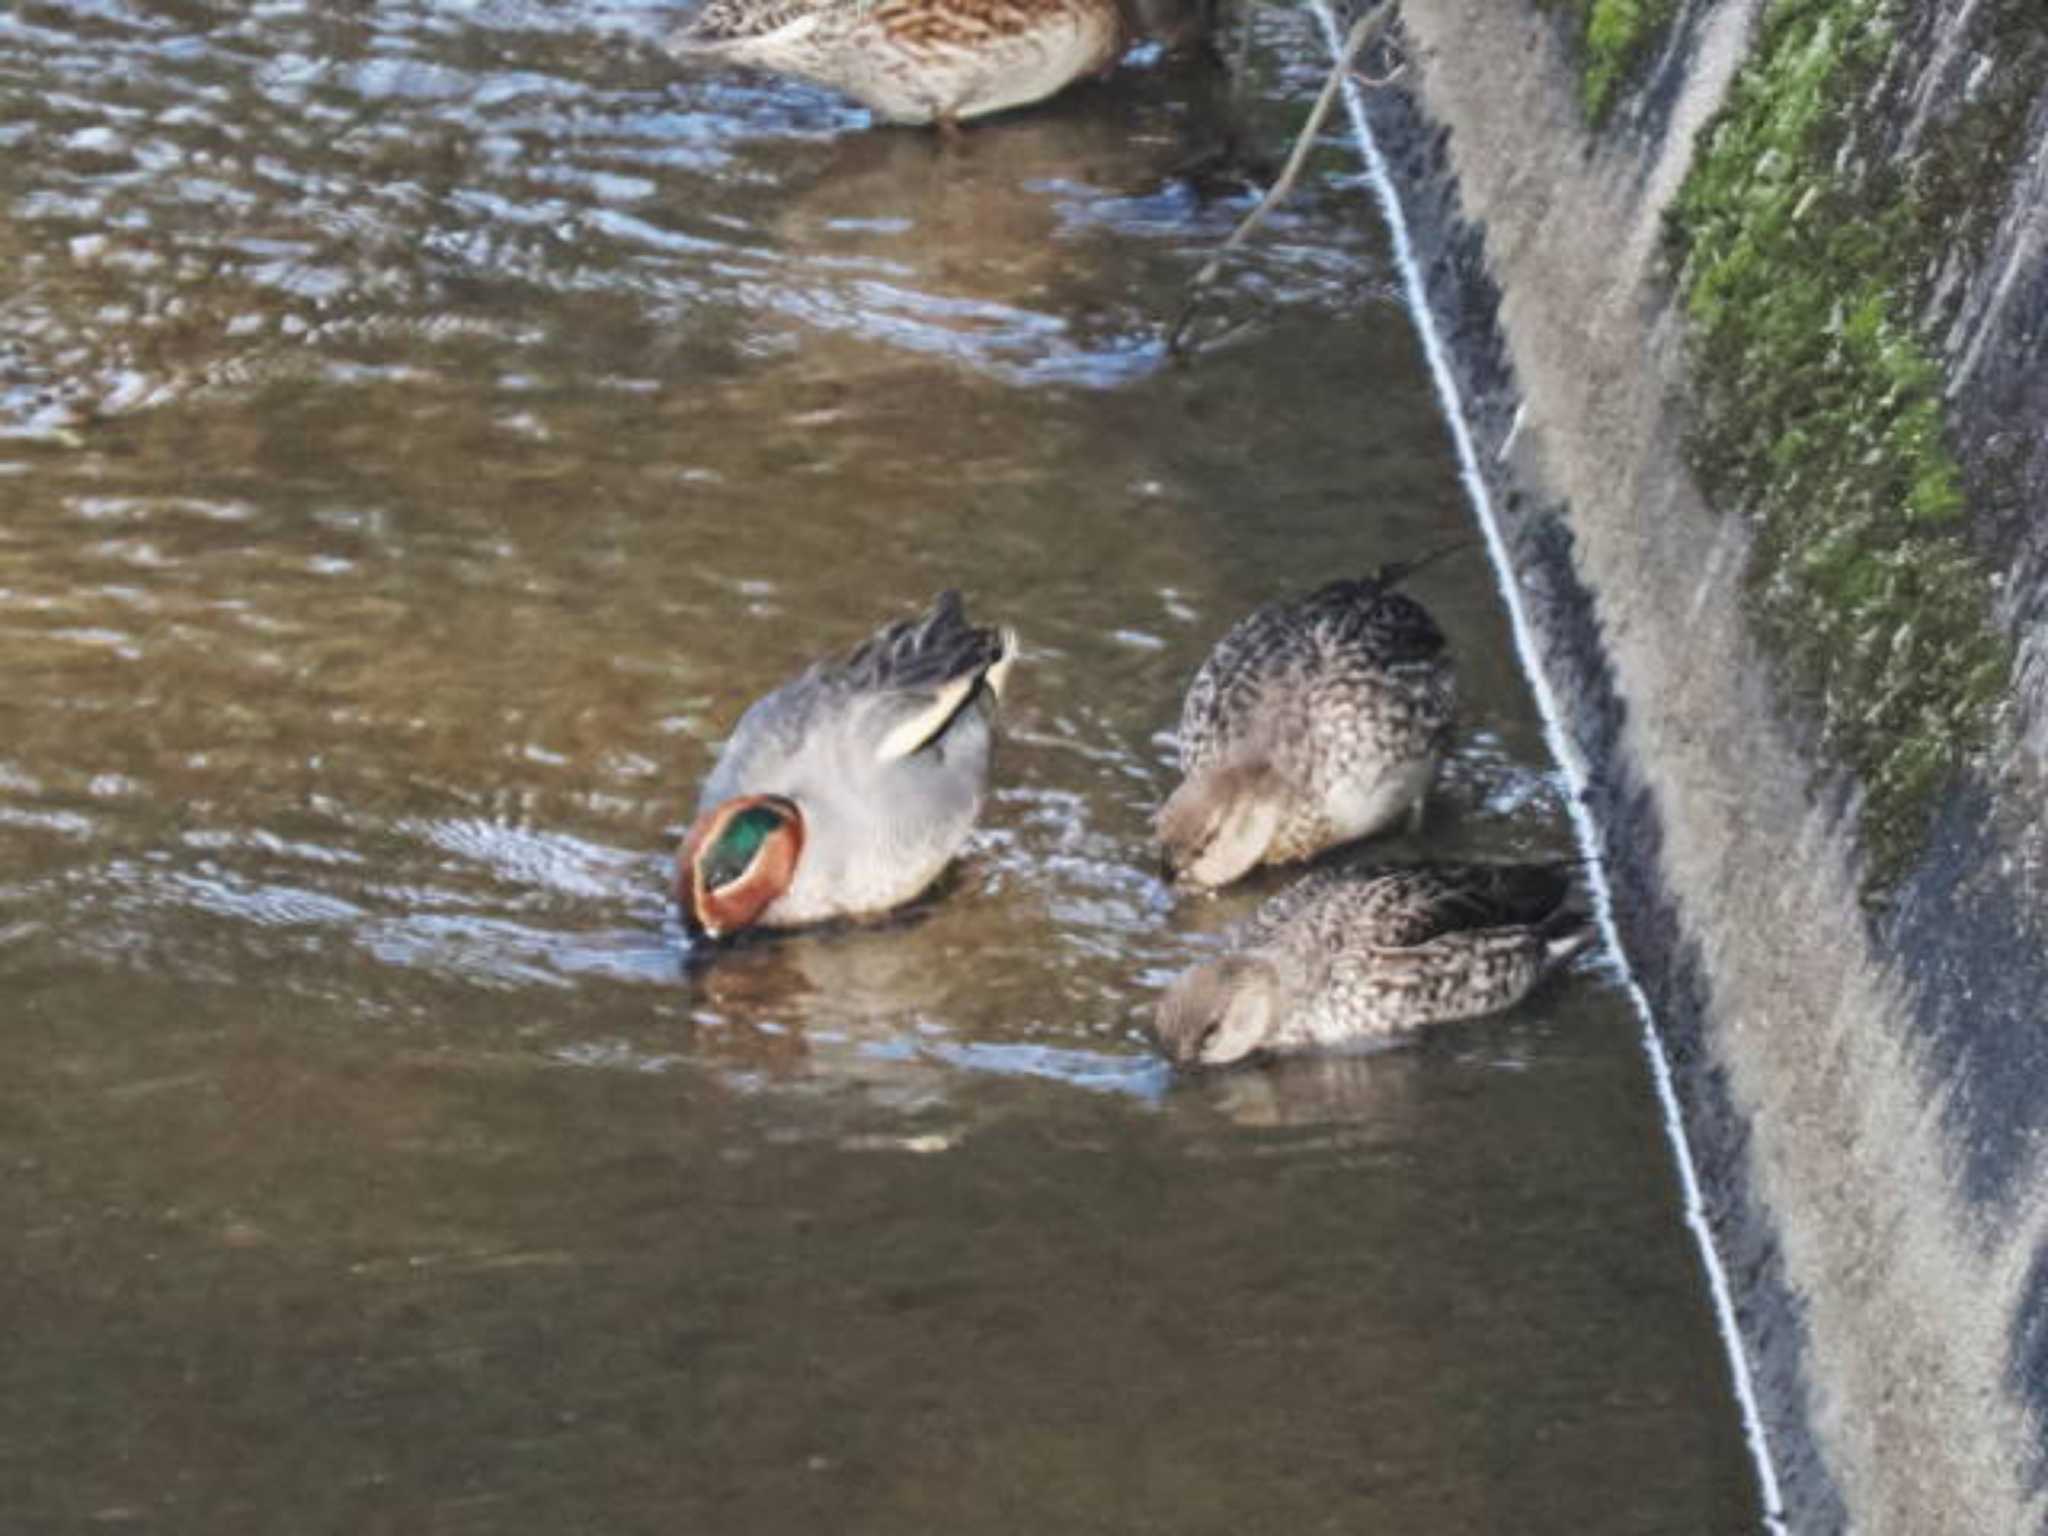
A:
(1804, 251)
(1615, 37)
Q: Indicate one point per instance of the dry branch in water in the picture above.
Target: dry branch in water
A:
(1363, 31)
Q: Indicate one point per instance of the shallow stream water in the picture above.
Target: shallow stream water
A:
(423, 428)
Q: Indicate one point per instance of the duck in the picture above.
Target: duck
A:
(848, 790)
(1315, 721)
(1348, 957)
(915, 61)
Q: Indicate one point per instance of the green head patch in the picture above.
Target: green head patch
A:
(733, 853)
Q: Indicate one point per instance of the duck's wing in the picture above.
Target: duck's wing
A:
(1410, 906)
(1367, 616)
(1401, 906)
(1358, 617)
(1458, 975)
(1226, 700)
(1458, 940)
(889, 696)
(1282, 911)
(917, 674)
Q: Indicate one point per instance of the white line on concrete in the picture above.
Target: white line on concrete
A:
(1569, 761)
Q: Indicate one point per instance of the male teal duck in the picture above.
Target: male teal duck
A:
(847, 790)
(1314, 721)
(915, 61)
(1343, 957)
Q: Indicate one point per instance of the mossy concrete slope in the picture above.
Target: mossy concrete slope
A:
(1748, 304)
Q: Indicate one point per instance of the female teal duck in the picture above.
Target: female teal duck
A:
(848, 789)
(1342, 957)
(1314, 721)
(915, 61)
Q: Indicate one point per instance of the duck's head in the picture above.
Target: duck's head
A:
(735, 860)
(1218, 825)
(1219, 1012)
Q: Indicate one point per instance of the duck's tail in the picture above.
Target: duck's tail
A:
(1565, 932)
(932, 667)
(1392, 574)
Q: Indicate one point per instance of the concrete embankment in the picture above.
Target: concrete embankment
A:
(1771, 463)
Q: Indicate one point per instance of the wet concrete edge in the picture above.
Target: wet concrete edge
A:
(1465, 304)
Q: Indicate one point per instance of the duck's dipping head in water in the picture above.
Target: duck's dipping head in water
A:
(1349, 957)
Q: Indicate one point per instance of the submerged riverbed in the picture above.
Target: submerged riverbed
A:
(422, 430)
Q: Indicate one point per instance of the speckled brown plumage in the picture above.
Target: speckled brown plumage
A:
(1328, 713)
(915, 61)
(1348, 956)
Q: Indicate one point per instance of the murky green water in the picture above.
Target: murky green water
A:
(425, 428)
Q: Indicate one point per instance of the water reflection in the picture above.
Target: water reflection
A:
(985, 251)
(1376, 1089)
(423, 430)
(375, 197)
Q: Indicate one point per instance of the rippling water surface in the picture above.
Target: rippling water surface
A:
(423, 428)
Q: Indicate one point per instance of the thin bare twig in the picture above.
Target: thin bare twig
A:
(1363, 31)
